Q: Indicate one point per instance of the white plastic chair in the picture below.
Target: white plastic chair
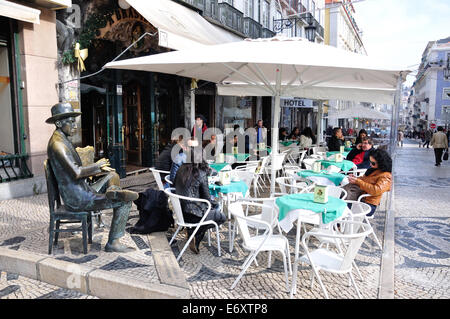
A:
(368, 218)
(323, 259)
(247, 177)
(157, 175)
(337, 191)
(355, 171)
(260, 174)
(289, 185)
(321, 149)
(167, 179)
(276, 163)
(255, 244)
(176, 205)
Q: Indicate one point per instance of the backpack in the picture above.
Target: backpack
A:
(154, 212)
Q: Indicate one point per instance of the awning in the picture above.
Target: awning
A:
(19, 12)
(360, 111)
(179, 27)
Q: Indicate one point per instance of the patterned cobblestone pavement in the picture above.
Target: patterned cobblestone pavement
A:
(422, 224)
(422, 235)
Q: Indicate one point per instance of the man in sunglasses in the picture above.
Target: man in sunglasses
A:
(360, 154)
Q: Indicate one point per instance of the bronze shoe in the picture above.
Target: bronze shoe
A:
(121, 195)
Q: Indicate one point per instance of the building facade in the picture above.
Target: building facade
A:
(342, 31)
(431, 90)
(28, 77)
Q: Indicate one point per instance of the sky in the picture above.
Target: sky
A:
(397, 31)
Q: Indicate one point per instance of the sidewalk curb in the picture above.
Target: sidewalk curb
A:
(387, 271)
(100, 283)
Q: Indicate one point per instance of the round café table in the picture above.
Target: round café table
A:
(324, 177)
(343, 166)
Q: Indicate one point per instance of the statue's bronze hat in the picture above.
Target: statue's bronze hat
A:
(61, 111)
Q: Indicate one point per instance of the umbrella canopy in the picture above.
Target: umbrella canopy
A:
(249, 68)
(360, 111)
(278, 67)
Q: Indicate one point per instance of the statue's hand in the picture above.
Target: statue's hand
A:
(103, 162)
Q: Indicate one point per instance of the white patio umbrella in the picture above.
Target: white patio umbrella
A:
(360, 111)
(278, 67)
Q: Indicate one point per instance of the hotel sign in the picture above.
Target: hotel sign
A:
(296, 102)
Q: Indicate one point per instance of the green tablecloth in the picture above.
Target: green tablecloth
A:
(233, 187)
(218, 166)
(336, 178)
(239, 157)
(333, 153)
(344, 165)
(287, 143)
(347, 149)
(334, 207)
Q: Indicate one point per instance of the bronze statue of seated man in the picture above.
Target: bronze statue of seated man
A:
(71, 175)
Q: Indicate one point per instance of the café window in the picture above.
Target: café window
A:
(238, 110)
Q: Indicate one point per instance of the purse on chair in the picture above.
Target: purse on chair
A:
(353, 191)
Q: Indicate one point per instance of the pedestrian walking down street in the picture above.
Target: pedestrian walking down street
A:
(400, 138)
(428, 134)
(439, 142)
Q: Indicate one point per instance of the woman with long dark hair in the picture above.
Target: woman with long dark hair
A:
(361, 134)
(376, 180)
(295, 134)
(306, 138)
(191, 180)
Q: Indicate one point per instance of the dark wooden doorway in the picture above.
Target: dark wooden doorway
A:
(132, 124)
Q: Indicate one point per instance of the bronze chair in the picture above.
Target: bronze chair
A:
(59, 214)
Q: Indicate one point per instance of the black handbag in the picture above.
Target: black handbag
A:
(445, 158)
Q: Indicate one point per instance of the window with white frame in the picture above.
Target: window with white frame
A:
(265, 14)
(248, 8)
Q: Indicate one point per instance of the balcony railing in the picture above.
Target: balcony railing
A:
(252, 29)
(13, 167)
(231, 17)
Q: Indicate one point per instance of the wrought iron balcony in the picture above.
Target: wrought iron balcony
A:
(252, 29)
(231, 17)
(13, 167)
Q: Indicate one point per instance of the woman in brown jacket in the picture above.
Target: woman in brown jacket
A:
(376, 180)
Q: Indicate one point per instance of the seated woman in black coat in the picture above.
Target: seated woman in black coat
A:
(336, 141)
(191, 180)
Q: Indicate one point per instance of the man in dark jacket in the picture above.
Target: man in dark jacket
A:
(360, 154)
(336, 141)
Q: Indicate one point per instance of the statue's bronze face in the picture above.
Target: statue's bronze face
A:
(68, 125)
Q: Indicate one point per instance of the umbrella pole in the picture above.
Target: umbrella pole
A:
(276, 120)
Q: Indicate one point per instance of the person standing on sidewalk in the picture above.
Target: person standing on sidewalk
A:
(400, 138)
(428, 134)
(439, 142)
